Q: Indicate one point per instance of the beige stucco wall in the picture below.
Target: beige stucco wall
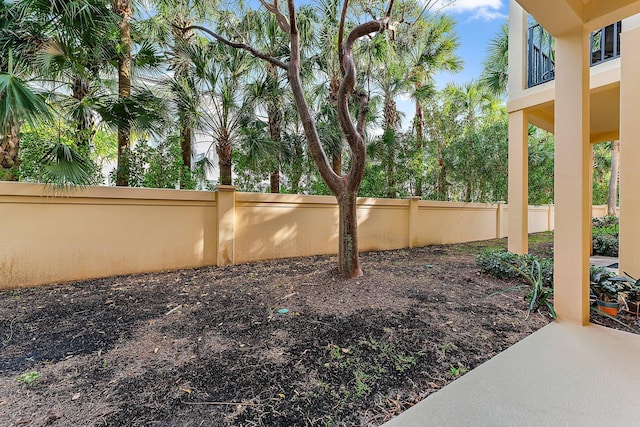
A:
(280, 225)
(539, 219)
(442, 223)
(105, 231)
(101, 231)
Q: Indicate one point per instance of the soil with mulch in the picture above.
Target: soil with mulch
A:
(279, 343)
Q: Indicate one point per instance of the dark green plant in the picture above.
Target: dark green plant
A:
(604, 284)
(500, 264)
(631, 289)
(605, 234)
(605, 221)
(537, 273)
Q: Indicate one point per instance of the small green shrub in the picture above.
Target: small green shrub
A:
(500, 264)
(606, 245)
(536, 272)
(605, 221)
(29, 379)
(605, 234)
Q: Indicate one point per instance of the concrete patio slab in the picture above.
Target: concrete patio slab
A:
(561, 375)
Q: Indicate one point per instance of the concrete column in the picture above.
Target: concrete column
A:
(226, 215)
(413, 221)
(630, 148)
(572, 172)
(518, 27)
(518, 240)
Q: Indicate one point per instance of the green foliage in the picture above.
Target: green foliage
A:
(541, 167)
(601, 173)
(29, 379)
(605, 234)
(157, 167)
(457, 371)
(18, 103)
(52, 156)
(500, 264)
(537, 273)
(361, 364)
(606, 286)
(601, 284)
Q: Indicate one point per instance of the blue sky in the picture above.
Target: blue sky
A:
(478, 22)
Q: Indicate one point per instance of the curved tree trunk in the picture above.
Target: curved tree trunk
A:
(612, 201)
(345, 188)
(348, 259)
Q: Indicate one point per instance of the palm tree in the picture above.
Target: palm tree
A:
(389, 77)
(18, 105)
(123, 9)
(218, 107)
(70, 54)
(430, 48)
(269, 93)
(495, 72)
(170, 26)
(472, 101)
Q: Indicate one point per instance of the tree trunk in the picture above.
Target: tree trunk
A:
(296, 166)
(224, 150)
(123, 9)
(9, 151)
(419, 120)
(185, 144)
(348, 259)
(181, 70)
(391, 120)
(85, 124)
(612, 201)
(274, 182)
(274, 120)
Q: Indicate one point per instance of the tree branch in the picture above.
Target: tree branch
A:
(274, 8)
(353, 135)
(237, 45)
(343, 18)
(333, 180)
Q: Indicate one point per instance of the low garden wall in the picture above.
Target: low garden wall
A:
(105, 231)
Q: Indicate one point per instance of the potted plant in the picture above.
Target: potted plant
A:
(630, 295)
(606, 286)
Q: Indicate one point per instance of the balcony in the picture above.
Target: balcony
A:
(605, 46)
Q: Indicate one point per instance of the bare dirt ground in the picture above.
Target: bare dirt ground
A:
(280, 343)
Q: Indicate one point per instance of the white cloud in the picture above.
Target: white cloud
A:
(487, 10)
